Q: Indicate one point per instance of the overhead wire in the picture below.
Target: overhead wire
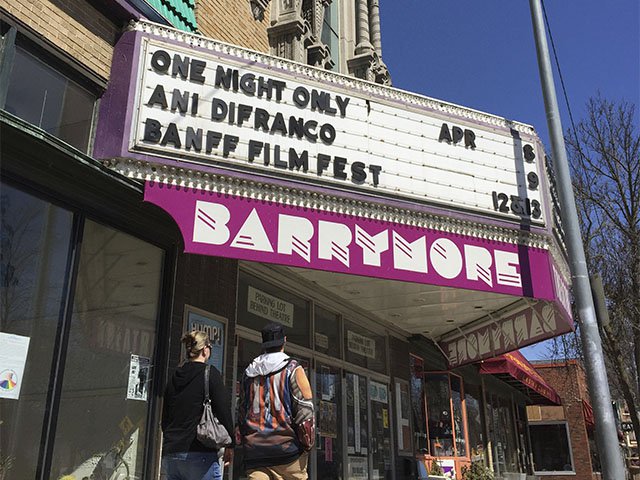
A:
(564, 89)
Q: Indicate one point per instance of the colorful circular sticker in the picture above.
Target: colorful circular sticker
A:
(8, 380)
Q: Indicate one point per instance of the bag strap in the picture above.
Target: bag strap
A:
(206, 384)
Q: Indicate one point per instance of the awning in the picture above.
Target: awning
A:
(587, 411)
(515, 370)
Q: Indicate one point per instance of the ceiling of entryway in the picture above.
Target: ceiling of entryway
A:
(428, 310)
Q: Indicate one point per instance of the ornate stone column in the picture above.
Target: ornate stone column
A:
(374, 22)
(364, 42)
(286, 32)
(367, 62)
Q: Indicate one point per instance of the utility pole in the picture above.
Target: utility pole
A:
(606, 431)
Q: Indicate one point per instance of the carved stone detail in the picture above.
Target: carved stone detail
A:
(296, 33)
(363, 46)
(286, 34)
(374, 25)
(379, 71)
(369, 67)
(258, 8)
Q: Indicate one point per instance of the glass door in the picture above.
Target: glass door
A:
(329, 422)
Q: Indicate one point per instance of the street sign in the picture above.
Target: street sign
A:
(627, 426)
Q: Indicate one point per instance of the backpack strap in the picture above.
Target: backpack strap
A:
(206, 384)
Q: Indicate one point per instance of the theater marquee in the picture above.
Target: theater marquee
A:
(261, 159)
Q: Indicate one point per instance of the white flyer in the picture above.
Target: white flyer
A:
(139, 378)
(13, 357)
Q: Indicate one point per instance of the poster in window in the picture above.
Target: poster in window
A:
(328, 419)
(403, 414)
(358, 469)
(356, 412)
(13, 357)
(214, 326)
(327, 383)
(139, 378)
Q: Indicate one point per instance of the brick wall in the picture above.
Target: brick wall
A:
(231, 21)
(570, 383)
(207, 283)
(73, 26)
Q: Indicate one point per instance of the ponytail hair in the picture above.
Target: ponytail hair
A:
(194, 342)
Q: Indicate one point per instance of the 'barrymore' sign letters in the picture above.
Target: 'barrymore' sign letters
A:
(238, 227)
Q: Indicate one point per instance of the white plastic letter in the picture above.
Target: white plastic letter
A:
(252, 235)
(479, 261)
(333, 241)
(507, 266)
(210, 223)
(446, 258)
(294, 235)
(410, 256)
(372, 246)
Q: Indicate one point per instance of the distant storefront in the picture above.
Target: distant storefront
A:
(562, 437)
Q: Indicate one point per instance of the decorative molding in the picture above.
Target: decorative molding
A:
(357, 86)
(258, 8)
(370, 67)
(226, 184)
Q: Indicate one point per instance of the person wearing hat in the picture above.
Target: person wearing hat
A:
(276, 414)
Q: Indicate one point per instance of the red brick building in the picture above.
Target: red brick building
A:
(562, 437)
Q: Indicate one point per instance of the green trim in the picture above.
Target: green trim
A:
(180, 13)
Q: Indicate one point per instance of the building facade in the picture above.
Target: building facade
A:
(171, 165)
(563, 441)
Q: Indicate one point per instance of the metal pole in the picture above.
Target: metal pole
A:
(606, 433)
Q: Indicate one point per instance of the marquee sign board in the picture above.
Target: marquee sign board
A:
(199, 106)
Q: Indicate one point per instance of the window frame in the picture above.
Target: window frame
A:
(571, 472)
(16, 35)
(463, 405)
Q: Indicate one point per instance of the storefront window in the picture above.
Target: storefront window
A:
(357, 426)
(473, 396)
(439, 411)
(46, 98)
(403, 416)
(381, 450)
(260, 303)
(551, 447)
(101, 427)
(505, 448)
(364, 348)
(326, 338)
(417, 403)
(329, 422)
(458, 421)
(34, 249)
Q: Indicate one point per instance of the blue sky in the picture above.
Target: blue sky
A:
(481, 54)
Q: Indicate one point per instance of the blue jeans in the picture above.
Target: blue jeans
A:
(191, 466)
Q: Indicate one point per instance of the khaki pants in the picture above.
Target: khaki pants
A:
(296, 470)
